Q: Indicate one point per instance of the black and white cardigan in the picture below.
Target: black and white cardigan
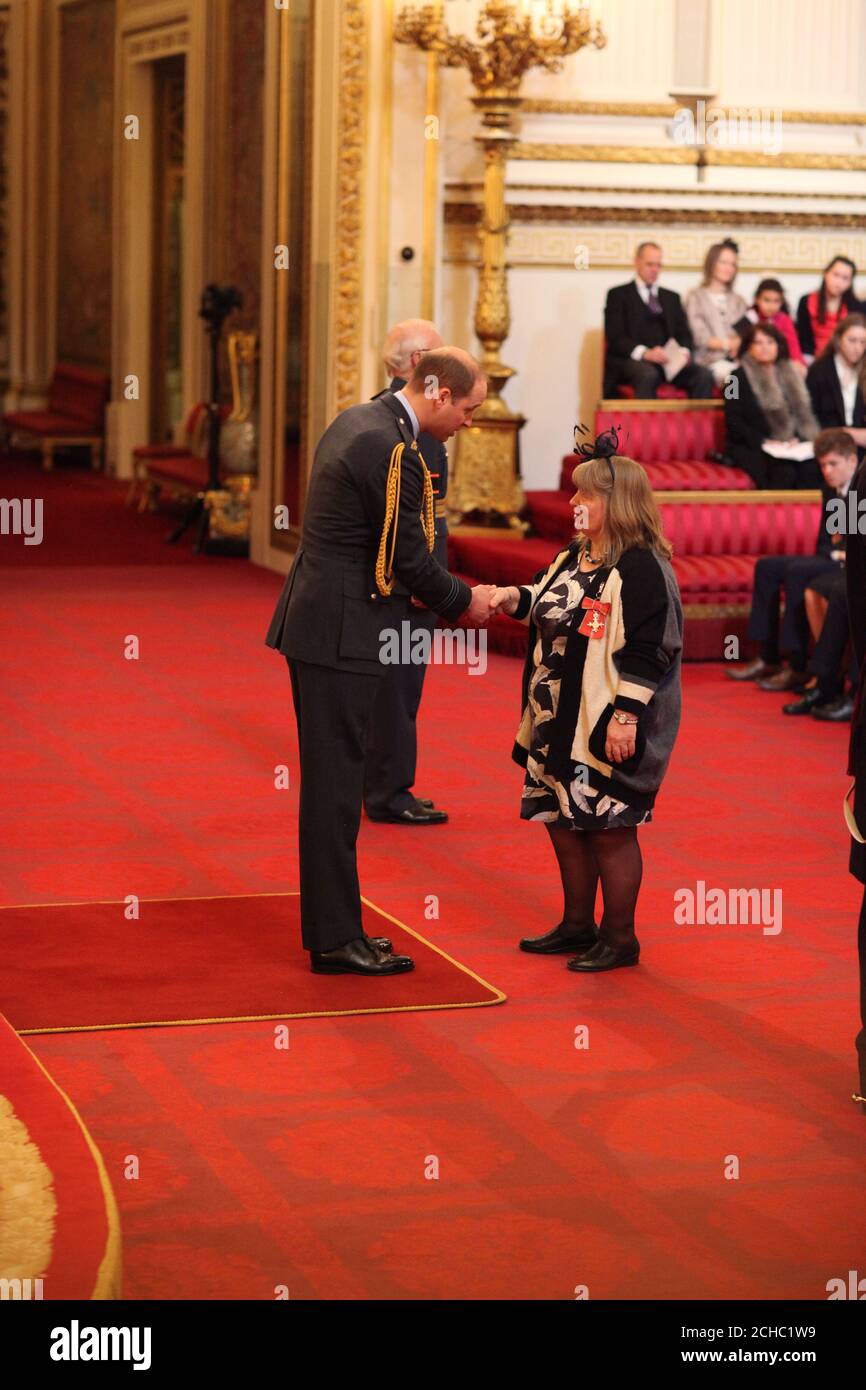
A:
(634, 666)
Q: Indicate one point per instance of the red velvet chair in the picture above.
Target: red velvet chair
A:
(74, 415)
(181, 470)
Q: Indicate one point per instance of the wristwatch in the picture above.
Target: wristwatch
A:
(622, 718)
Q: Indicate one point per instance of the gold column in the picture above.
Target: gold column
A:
(485, 476)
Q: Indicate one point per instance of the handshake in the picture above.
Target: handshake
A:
(487, 599)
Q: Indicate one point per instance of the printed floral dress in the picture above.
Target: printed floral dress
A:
(544, 798)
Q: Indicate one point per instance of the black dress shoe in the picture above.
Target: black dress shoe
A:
(557, 941)
(838, 711)
(358, 957)
(753, 670)
(806, 703)
(382, 943)
(413, 815)
(601, 957)
(425, 802)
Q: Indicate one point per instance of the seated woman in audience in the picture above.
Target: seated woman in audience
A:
(770, 306)
(835, 380)
(766, 403)
(819, 313)
(713, 308)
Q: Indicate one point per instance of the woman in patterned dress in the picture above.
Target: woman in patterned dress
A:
(601, 702)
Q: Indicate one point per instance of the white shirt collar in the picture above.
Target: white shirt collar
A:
(413, 418)
(643, 289)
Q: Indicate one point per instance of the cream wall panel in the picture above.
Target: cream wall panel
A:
(796, 54)
(557, 312)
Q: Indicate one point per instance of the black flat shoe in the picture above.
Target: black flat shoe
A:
(601, 957)
(556, 941)
(358, 957)
(806, 703)
(837, 711)
(382, 943)
(413, 815)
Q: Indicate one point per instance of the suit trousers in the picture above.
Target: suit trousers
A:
(392, 740)
(835, 637)
(333, 710)
(647, 377)
(791, 573)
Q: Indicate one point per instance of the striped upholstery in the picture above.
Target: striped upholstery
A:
(716, 528)
(665, 436)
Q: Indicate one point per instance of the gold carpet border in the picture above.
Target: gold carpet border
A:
(498, 996)
(27, 1238)
(108, 1277)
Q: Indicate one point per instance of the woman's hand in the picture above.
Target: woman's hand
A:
(620, 741)
(505, 600)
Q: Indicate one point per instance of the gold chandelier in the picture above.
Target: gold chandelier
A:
(511, 39)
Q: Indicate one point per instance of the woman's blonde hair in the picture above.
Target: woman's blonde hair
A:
(632, 517)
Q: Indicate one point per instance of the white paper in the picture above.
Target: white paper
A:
(677, 359)
(781, 449)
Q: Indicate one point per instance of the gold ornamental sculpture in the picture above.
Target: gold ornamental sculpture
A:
(230, 507)
(512, 38)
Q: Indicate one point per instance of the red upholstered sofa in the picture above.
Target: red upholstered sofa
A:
(671, 441)
(75, 414)
(717, 538)
(181, 470)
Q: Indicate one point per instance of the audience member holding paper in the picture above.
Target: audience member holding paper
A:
(648, 335)
(714, 308)
(768, 416)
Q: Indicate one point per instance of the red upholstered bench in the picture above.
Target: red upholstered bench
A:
(74, 414)
(178, 469)
(718, 538)
(666, 392)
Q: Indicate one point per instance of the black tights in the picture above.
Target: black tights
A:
(610, 855)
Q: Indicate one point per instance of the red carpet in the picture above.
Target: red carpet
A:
(58, 1217)
(557, 1166)
(201, 960)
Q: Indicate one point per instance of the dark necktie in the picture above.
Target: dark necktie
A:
(653, 302)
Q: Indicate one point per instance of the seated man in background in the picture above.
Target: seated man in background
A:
(639, 323)
(825, 697)
(836, 454)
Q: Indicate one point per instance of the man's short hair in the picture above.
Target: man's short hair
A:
(642, 246)
(834, 441)
(444, 370)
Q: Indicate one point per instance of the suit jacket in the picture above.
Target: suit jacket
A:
(435, 455)
(624, 313)
(822, 379)
(330, 612)
(855, 579)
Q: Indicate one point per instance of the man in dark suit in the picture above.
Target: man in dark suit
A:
(639, 319)
(855, 567)
(392, 742)
(824, 697)
(792, 575)
(331, 620)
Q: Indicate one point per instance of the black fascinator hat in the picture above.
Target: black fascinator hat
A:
(606, 446)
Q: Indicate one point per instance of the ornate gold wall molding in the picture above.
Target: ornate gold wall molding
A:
(698, 191)
(684, 247)
(606, 154)
(159, 45)
(469, 215)
(350, 175)
(684, 154)
(667, 109)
